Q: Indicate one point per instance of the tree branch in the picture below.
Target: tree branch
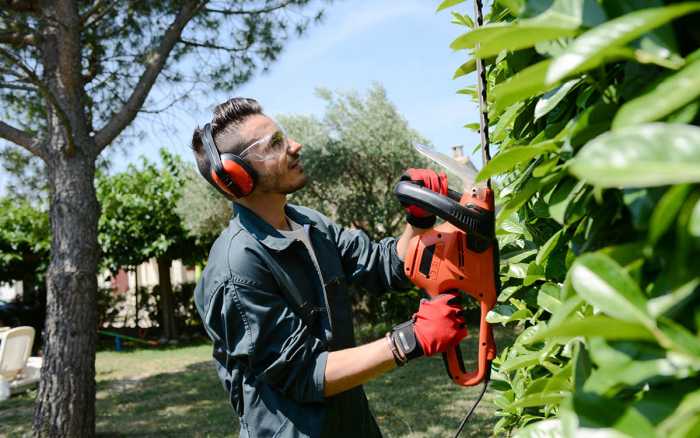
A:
(249, 11)
(21, 5)
(21, 138)
(17, 39)
(11, 86)
(154, 66)
(94, 14)
(214, 46)
(48, 95)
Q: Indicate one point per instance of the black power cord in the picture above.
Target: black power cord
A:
(478, 399)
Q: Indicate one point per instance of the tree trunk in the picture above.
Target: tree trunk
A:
(167, 305)
(66, 401)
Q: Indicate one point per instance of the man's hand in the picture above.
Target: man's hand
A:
(437, 326)
(417, 216)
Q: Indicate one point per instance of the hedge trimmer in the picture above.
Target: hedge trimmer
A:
(461, 253)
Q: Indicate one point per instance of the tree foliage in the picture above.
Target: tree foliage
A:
(25, 242)
(138, 220)
(354, 156)
(203, 211)
(595, 111)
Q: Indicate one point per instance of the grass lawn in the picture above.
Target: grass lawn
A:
(175, 392)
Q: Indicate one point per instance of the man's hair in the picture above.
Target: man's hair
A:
(228, 117)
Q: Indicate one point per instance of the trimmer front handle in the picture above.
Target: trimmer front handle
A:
(469, 217)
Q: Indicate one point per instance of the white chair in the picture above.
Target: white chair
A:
(17, 369)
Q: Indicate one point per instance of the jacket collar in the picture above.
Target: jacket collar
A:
(263, 231)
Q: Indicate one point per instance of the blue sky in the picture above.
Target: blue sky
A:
(402, 45)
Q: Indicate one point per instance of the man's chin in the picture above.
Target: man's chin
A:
(298, 185)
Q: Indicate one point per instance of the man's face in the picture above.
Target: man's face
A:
(275, 157)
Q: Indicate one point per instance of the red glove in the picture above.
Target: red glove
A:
(427, 178)
(438, 324)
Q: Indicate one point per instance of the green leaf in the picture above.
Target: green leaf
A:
(561, 197)
(641, 156)
(527, 82)
(666, 211)
(630, 364)
(463, 19)
(473, 126)
(582, 365)
(548, 247)
(494, 38)
(694, 222)
(659, 305)
(544, 398)
(686, 411)
(663, 99)
(469, 91)
(625, 253)
(544, 168)
(680, 338)
(508, 159)
(551, 428)
(517, 270)
(552, 98)
(534, 273)
(505, 122)
(610, 417)
(548, 297)
(465, 68)
(605, 284)
(448, 4)
(616, 32)
(521, 361)
(531, 187)
(505, 313)
(594, 326)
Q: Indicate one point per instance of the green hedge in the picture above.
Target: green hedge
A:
(594, 109)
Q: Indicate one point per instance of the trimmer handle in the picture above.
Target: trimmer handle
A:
(487, 352)
(469, 217)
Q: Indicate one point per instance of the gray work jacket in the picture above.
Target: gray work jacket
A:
(270, 355)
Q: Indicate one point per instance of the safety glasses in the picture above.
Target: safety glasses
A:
(268, 147)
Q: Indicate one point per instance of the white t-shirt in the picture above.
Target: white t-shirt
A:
(301, 233)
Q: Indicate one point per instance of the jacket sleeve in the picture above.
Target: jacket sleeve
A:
(263, 332)
(373, 265)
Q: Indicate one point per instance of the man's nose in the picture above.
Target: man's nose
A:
(294, 146)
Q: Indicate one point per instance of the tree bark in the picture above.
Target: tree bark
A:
(167, 305)
(65, 405)
(66, 400)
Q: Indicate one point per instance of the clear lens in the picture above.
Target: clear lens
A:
(267, 148)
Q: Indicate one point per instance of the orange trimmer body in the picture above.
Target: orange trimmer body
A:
(448, 258)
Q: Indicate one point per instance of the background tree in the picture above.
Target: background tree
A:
(596, 110)
(73, 75)
(139, 222)
(203, 211)
(24, 246)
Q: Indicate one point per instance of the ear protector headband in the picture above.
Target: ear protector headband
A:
(228, 171)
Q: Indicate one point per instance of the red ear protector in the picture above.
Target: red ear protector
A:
(228, 171)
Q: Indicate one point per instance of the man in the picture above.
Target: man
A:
(274, 294)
